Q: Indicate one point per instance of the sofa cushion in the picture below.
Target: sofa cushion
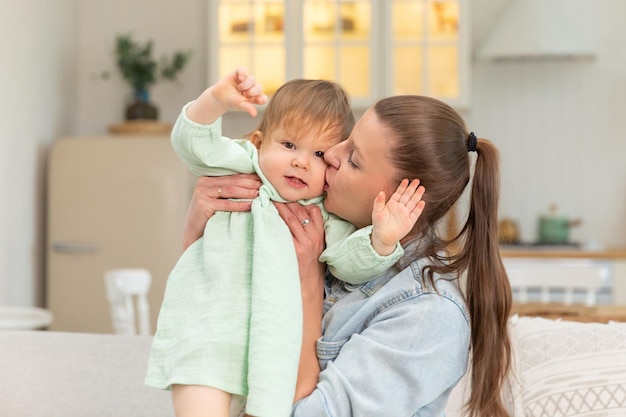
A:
(567, 368)
(56, 374)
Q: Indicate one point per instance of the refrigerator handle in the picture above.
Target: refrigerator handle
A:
(75, 247)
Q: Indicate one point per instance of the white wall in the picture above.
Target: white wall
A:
(171, 24)
(559, 125)
(34, 100)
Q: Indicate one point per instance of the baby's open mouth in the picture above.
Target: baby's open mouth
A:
(295, 181)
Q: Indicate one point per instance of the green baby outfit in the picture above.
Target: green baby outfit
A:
(231, 316)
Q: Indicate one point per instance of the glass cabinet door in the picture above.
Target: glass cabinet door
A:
(337, 43)
(426, 55)
(374, 48)
(251, 34)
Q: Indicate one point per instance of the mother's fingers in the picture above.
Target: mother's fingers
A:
(296, 216)
(292, 214)
(314, 214)
(308, 237)
(240, 186)
(241, 180)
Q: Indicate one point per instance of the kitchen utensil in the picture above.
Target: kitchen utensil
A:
(508, 231)
(554, 228)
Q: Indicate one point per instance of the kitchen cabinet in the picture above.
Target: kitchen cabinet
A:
(373, 48)
(612, 261)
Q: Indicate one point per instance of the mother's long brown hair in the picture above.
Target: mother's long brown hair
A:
(430, 142)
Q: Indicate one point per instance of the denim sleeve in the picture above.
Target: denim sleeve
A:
(404, 363)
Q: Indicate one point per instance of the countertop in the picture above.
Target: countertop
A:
(532, 251)
(575, 312)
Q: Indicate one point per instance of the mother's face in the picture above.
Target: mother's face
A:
(359, 168)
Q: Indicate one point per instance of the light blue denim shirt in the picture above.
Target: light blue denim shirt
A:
(390, 347)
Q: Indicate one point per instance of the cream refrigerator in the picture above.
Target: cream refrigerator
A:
(112, 202)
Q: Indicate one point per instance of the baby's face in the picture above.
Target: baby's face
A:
(293, 161)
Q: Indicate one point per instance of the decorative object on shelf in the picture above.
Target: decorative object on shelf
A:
(508, 231)
(554, 228)
(141, 127)
(141, 71)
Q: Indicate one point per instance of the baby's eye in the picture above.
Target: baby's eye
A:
(289, 145)
(319, 154)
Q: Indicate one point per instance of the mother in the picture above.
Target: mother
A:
(397, 345)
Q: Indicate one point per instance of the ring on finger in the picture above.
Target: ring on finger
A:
(219, 192)
(305, 222)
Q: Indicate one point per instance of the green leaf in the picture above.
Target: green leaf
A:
(140, 69)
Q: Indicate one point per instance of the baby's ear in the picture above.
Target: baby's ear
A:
(256, 138)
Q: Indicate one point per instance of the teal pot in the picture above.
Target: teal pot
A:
(555, 229)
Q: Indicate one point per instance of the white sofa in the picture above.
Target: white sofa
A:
(56, 374)
(561, 369)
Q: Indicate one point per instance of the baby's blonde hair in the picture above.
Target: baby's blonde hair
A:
(316, 105)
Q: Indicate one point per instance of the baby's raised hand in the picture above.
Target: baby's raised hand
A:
(239, 91)
(395, 219)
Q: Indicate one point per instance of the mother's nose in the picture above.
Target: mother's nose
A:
(332, 155)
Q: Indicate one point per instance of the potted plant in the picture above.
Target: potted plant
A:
(141, 71)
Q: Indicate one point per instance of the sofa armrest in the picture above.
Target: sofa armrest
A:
(56, 374)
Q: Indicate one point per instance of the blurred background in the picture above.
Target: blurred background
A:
(558, 116)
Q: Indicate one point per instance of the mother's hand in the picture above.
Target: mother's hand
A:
(308, 239)
(212, 194)
(307, 228)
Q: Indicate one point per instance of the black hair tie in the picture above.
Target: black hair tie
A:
(472, 142)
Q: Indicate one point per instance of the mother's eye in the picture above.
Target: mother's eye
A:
(289, 145)
(350, 162)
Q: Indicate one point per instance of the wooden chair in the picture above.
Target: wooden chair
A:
(562, 281)
(124, 286)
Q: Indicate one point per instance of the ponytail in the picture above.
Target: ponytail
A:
(487, 289)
